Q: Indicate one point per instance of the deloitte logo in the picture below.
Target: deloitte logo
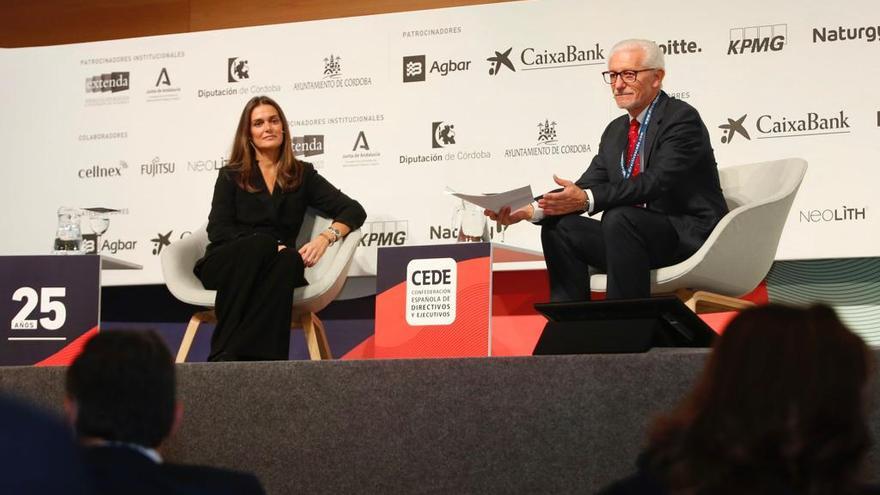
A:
(757, 39)
(415, 68)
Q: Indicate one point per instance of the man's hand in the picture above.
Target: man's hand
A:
(569, 200)
(507, 217)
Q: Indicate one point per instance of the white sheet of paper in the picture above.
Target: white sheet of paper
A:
(515, 198)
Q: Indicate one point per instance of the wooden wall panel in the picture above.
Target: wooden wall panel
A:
(53, 22)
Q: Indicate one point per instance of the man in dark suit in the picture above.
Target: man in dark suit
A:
(654, 179)
(121, 400)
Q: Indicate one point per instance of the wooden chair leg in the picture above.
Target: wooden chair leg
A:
(708, 302)
(190, 334)
(316, 338)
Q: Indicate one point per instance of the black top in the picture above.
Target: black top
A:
(123, 470)
(236, 213)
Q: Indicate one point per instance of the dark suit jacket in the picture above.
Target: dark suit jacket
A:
(122, 470)
(37, 453)
(679, 175)
(236, 213)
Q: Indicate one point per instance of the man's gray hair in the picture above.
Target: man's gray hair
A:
(653, 53)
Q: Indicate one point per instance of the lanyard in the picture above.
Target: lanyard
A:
(627, 171)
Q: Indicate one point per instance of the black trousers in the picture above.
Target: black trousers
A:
(626, 244)
(254, 283)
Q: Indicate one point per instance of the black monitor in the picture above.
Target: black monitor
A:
(620, 325)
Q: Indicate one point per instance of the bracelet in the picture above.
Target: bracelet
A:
(586, 200)
(326, 235)
(336, 233)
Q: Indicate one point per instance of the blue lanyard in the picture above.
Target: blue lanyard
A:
(627, 171)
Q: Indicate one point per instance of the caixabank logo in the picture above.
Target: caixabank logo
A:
(547, 143)
(757, 39)
(332, 76)
(446, 147)
(106, 89)
(382, 233)
(568, 56)
(770, 126)
(415, 67)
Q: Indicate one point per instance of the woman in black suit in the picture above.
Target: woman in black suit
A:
(259, 203)
(781, 408)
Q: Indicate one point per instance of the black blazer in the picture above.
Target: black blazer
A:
(118, 470)
(679, 175)
(236, 213)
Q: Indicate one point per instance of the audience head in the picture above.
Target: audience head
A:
(782, 398)
(122, 388)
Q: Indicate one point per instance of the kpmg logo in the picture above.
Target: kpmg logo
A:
(757, 39)
(332, 67)
(308, 145)
(442, 134)
(113, 82)
(547, 132)
(237, 69)
(384, 233)
(499, 60)
(414, 69)
(734, 127)
(554, 58)
(102, 172)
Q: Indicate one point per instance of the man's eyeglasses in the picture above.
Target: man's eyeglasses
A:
(627, 75)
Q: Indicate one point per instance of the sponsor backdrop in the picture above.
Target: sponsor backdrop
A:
(395, 108)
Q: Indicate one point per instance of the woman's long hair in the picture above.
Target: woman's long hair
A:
(781, 404)
(243, 158)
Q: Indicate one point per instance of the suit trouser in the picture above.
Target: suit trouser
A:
(626, 244)
(254, 283)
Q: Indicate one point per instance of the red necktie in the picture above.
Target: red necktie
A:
(633, 137)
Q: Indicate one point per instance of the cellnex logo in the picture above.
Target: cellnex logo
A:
(113, 82)
(442, 134)
(757, 39)
(842, 214)
(237, 69)
(570, 56)
(415, 67)
(308, 145)
(384, 233)
(501, 59)
(868, 33)
(99, 172)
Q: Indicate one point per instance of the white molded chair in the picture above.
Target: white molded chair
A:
(325, 279)
(738, 254)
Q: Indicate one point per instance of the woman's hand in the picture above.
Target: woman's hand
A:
(312, 251)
